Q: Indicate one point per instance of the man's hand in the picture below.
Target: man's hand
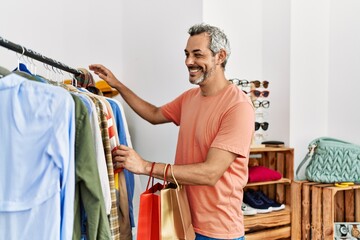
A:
(126, 157)
(104, 74)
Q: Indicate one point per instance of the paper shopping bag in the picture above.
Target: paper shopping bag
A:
(149, 211)
(175, 212)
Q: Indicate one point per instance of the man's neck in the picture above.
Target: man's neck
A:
(212, 86)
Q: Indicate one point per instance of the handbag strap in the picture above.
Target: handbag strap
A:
(150, 176)
(305, 160)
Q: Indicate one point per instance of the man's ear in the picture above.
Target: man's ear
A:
(221, 56)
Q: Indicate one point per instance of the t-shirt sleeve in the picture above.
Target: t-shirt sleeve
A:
(172, 110)
(236, 130)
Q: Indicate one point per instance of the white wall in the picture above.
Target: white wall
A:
(242, 22)
(309, 73)
(276, 66)
(324, 72)
(344, 73)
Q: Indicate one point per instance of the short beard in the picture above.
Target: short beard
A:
(199, 80)
(203, 77)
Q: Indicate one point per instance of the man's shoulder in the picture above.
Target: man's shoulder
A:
(190, 92)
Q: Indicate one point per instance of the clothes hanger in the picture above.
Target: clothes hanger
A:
(33, 67)
(21, 66)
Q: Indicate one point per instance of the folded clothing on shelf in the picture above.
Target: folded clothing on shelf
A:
(263, 174)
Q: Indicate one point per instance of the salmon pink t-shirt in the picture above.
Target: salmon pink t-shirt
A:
(224, 121)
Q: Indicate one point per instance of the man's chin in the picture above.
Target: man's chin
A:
(197, 81)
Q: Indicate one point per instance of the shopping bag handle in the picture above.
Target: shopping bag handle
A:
(173, 176)
(166, 168)
(150, 176)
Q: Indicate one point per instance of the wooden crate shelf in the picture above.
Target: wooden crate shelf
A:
(319, 206)
(276, 224)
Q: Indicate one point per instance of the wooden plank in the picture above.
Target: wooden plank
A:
(339, 207)
(357, 205)
(316, 213)
(287, 195)
(265, 189)
(357, 186)
(272, 157)
(263, 159)
(296, 200)
(349, 206)
(270, 149)
(280, 167)
(282, 180)
(267, 220)
(289, 158)
(306, 210)
(316, 210)
(253, 162)
(272, 194)
(277, 233)
(328, 214)
(289, 168)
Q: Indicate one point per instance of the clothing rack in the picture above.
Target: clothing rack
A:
(30, 53)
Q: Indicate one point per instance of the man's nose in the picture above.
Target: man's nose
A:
(189, 61)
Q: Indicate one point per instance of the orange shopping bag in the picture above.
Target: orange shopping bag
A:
(149, 211)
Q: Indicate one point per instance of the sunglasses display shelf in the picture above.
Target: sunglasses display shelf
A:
(258, 93)
(275, 224)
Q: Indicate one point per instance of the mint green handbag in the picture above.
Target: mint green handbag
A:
(332, 160)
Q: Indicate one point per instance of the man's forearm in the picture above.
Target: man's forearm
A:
(143, 108)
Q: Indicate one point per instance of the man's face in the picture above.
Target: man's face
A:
(199, 59)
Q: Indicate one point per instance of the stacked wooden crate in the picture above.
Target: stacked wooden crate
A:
(277, 224)
(317, 206)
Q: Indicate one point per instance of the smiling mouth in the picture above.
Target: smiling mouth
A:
(194, 70)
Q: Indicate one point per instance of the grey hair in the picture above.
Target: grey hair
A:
(218, 39)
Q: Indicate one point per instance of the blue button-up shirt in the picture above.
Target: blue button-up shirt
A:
(37, 131)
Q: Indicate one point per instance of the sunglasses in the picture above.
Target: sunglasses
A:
(257, 83)
(240, 82)
(264, 104)
(263, 125)
(258, 93)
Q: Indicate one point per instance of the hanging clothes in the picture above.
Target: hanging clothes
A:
(113, 218)
(88, 191)
(101, 200)
(123, 201)
(37, 176)
(99, 149)
(124, 139)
